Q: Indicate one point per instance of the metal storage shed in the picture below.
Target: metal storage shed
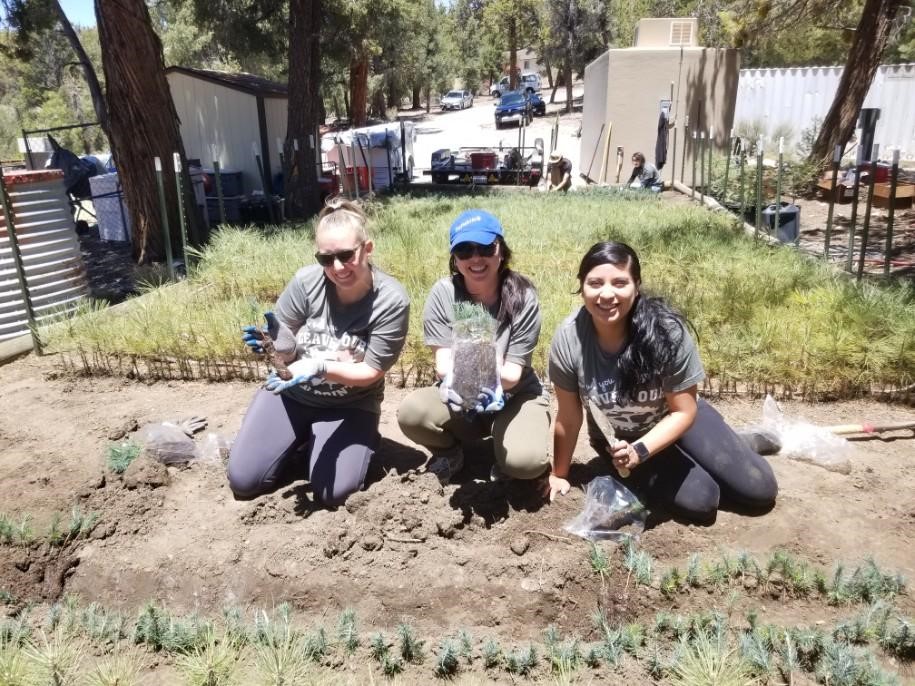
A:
(226, 117)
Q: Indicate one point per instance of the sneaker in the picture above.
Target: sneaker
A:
(446, 463)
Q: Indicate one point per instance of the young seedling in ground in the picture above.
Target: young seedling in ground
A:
(411, 648)
(117, 670)
(522, 662)
(215, 663)
(56, 659)
(347, 634)
(600, 563)
(465, 645)
(446, 660)
(671, 582)
(694, 571)
(282, 661)
(492, 654)
(638, 562)
(120, 455)
(709, 660)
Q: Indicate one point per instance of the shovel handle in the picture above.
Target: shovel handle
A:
(867, 428)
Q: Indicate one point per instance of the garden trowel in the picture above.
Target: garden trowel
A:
(606, 428)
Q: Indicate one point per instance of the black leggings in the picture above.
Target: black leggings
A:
(689, 477)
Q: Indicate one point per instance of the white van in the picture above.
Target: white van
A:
(529, 81)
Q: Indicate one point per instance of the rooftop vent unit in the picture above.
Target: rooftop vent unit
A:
(667, 32)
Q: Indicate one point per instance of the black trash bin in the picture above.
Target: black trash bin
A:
(789, 222)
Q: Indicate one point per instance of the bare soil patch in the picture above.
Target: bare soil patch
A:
(488, 557)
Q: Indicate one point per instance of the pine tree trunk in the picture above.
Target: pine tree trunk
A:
(303, 197)
(142, 119)
(359, 87)
(417, 97)
(512, 55)
(870, 41)
(549, 72)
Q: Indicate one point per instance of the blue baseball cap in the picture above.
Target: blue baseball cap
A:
(475, 226)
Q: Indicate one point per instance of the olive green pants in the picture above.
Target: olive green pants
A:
(520, 431)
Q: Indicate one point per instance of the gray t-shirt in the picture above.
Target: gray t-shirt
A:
(372, 330)
(578, 365)
(515, 341)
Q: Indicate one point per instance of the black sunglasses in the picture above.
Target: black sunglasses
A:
(464, 251)
(326, 259)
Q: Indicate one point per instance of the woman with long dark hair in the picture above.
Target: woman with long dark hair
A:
(628, 355)
(516, 412)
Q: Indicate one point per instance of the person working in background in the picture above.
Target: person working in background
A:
(560, 171)
(644, 175)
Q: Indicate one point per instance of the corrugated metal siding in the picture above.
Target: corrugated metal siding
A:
(797, 96)
(217, 122)
(54, 270)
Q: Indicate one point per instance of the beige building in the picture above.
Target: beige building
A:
(230, 118)
(626, 90)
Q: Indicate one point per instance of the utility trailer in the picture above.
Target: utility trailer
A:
(474, 165)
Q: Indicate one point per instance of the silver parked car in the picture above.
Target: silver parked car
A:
(456, 100)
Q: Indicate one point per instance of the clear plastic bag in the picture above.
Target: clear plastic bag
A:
(214, 448)
(611, 512)
(806, 442)
(474, 353)
(166, 443)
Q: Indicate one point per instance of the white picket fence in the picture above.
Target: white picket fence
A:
(795, 98)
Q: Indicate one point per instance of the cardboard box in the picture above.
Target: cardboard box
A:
(905, 192)
(842, 193)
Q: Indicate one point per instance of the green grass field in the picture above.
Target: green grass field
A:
(762, 316)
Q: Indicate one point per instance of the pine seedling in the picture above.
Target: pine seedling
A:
(102, 626)
(791, 661)
(151, 627)
(632, 636)
(347, 634)
(120, 455)
(600, 563)
(446, 660)
(551, 637)
(492, 654)
(522, 662)
(694, 571)
(315, 644)
(465, 645)
(7, 529)
(80, 525)
(708, 660)
(234, 625)
(391, 665)
(282, 661)
(671, 582)
(809, 646)
(612, 645)
(663, 623)
(55, 535)
(24, 534)
(378, 646)
(593, 656)
(7, 598)
(752, 618)
(14, 668)
(214, 663)
(638, 562)
(756, 651)
(56, 659)
(117, 670)
(411, 647)
(898, 638)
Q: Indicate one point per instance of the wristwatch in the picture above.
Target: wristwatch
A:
(641, 450)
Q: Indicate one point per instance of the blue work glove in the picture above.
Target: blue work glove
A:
(303, 371)
(283, 338)
(448, 395)
(489, 400)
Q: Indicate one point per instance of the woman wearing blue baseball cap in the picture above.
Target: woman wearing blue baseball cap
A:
(516, 413)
